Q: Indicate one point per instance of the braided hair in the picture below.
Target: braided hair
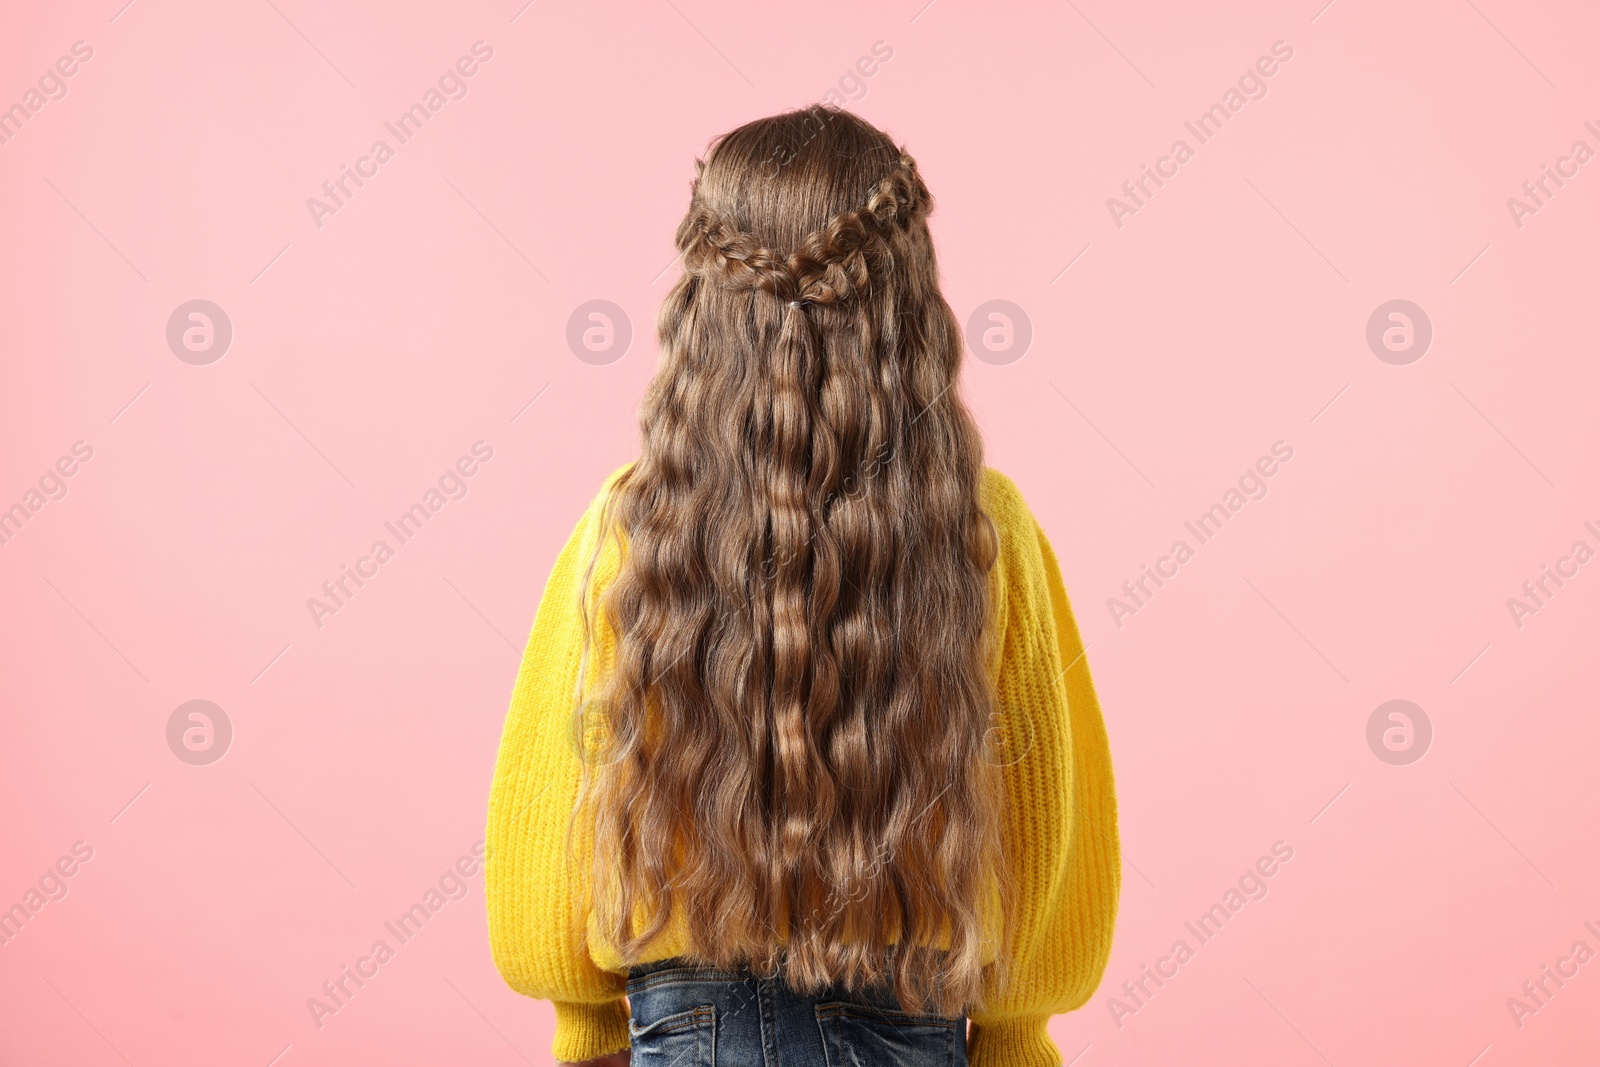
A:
(832, 264)
(799, 703)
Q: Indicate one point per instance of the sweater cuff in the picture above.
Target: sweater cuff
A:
(1013, 1042)
(586, 1031)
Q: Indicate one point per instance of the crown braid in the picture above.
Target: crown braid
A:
(833, 263)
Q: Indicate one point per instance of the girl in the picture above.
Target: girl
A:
(804, 758)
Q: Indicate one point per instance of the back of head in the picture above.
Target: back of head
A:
(797, 709)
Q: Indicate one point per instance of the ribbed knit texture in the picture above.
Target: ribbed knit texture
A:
(580, 1027)
(1059, 830)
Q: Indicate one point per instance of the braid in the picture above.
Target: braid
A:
(832, 265)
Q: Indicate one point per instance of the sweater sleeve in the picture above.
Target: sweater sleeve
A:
(1060, 825)
(538, 936)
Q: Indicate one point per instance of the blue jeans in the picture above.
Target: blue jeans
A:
(685, 1015)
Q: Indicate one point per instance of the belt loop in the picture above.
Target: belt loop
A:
(766, 997)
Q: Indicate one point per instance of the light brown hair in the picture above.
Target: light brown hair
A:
(795, 725)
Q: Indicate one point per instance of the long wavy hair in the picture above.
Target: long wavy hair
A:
(793, 747)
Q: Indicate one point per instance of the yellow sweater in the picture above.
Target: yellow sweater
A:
(1060, 821)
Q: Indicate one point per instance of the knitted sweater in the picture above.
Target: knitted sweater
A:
(1059, 823)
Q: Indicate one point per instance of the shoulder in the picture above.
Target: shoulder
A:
(1003, 502)
(1020, 573)
(597, 503)
(1000, 495)
(603, 547)
(610, 484)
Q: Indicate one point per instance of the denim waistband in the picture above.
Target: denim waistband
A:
(702, 968)
(684, 968)
(687, 1013)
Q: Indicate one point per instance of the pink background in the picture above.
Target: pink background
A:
(369, 354)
